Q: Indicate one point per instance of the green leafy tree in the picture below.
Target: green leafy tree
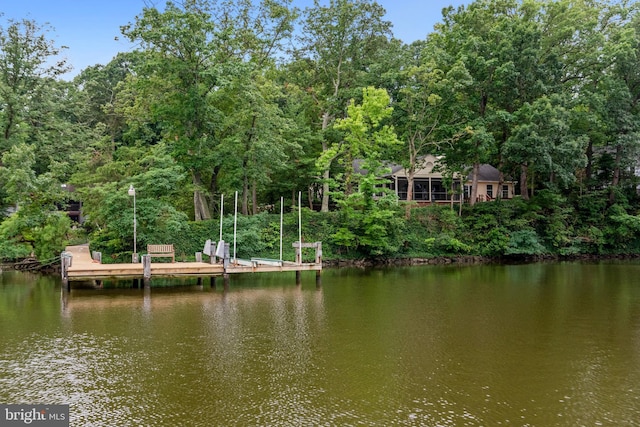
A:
(29, 62)
(194, 52)
(337, 45)
(100, 88)
(370, 222)
(425, 111)
(541, 142)
(108, 208)
(500, 44)
(37, 226)
(365, 135)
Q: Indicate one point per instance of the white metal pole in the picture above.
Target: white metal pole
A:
(221, 213)
(235, 226)
(135, 223)
(132, 192)
(300, 224)
(281, 213)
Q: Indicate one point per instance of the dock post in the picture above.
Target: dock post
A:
(97, 256)
(64, 298)
(318, 246)
(225, 278)
(146, 270)
(227, 257)
(318, 278)
(298, 246)
(298, 278)
(212, 282)
(198, 256)
(65, 263)
(199, 281)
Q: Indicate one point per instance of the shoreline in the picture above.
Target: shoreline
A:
(470, 260)
(31, 265)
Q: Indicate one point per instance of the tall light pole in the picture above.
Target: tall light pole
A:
(132, 192)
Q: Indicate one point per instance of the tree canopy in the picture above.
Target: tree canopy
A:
(259, 97)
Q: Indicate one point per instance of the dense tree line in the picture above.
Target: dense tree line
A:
(264, 99)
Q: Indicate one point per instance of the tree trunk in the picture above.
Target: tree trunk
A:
(474, 184)
(616, 175)
(200, 204)
(348, 175)
(325, 175)
(451, 194)
(254, 198)
(500, 180)
(524, 190)
(588, 172)
(410, 178)
(213, 189)
(461, 196)
(245, 196)
(411, 173)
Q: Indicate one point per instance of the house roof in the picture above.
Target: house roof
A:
(486, 173)
(357, 167)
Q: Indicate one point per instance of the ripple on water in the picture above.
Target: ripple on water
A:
(78, 370)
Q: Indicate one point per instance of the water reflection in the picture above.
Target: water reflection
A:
(554, 344)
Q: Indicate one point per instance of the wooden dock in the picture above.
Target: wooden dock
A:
(78, 264)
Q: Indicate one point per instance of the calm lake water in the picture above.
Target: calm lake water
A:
(526, 345)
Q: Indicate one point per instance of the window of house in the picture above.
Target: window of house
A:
(505, 191)
(467, 191)
(490, 190)
(402, 189)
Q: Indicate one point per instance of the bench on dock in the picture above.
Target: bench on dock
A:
(165, 251)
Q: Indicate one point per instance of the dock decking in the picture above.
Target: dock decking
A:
(79, 265)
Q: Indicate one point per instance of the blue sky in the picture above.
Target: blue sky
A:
(89, 28)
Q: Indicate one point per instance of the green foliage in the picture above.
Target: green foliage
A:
(495, 243)
(591, 241)
(545, 90)
(555, 224)
(365, 136)
(12, 250)
(445, 244)
(43, 234)
(623, 232)
(51, 237)
(524, 242)
(368, 228)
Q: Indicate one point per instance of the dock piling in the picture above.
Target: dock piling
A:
(65, 262)
(227, 256)
(146, 270)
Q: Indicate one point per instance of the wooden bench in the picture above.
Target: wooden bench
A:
(165, 251)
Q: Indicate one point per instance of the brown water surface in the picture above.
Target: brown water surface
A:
(527, 345)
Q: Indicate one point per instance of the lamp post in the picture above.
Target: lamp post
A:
(132, 192)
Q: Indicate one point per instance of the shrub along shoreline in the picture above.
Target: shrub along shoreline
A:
(546, 227)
